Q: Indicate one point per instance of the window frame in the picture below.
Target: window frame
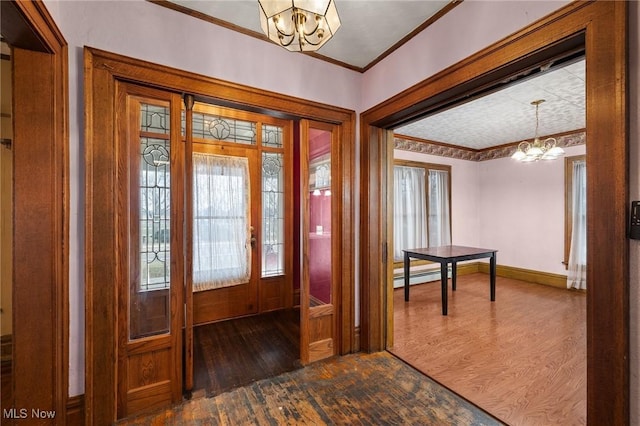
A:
(426, 166)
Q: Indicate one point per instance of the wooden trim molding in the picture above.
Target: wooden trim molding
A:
(600, 27)
(408, 143)
(528, 275)
(41, 207)
(522, 274)
(102, 70)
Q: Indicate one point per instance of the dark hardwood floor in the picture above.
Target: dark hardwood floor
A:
(234, 353)
(357, 389)
(522, 358)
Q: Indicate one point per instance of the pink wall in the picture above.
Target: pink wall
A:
(521, 212)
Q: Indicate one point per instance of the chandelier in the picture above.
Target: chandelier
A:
(537, 150)
(299, 25)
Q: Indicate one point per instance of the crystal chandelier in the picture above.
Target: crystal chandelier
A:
(299, 25)
(537, 150)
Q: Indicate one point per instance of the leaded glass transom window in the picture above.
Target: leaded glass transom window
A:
(215, 127)
(272, 214)
(271, 136)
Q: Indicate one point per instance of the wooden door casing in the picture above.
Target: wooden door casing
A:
(103, 70)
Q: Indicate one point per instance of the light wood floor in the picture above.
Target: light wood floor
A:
(521, 358)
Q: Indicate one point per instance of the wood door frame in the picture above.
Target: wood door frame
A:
(41, 207)
(102, 69)
(603, 28)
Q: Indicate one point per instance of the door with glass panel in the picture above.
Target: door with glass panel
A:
(240, 213)
(225, 263)
(149, 281)
(320, 241)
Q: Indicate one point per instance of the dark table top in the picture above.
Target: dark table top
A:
(446, 252)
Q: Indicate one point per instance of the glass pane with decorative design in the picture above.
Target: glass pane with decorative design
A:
(149, 291)
(215, 127)
(272, 136)
(272, 214)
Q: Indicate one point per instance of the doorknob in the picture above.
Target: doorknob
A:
(253, 237)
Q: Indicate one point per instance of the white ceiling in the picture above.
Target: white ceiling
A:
(503, 117)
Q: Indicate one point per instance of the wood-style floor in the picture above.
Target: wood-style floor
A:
(522, 358)
(357, 389)
(234, 353)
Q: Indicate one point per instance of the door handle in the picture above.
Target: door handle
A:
(253, 237)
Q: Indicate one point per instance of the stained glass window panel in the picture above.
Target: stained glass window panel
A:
(272, 136)
(272, 214)
(214, 127)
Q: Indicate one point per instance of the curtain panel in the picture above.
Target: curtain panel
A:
(221, 234)
(577, 270)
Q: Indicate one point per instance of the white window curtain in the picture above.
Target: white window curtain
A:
(409, 209)
(577, 271)
(439, 218)
(221, 235)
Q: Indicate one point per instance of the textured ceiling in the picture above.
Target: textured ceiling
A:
(369, 27)
(507, 116)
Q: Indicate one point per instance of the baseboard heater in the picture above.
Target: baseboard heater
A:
(419, 277)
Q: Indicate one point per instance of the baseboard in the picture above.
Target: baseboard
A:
(528, 275)
(75, 411)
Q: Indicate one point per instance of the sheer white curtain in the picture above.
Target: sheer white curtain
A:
(409, 209)
(221, 209)
(439, 218)
(577, 273)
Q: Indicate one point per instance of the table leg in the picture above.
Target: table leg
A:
(406, 277)
(453, 275)
(492, 271)
(443, 284)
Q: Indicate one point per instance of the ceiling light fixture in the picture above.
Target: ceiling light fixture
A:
(299, 25)
(537, 150)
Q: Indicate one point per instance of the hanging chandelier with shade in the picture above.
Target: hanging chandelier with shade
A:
(537, 150)
(299, 25)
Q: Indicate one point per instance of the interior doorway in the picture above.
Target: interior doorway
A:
(607, 298)
(39, 180)
(156, 356)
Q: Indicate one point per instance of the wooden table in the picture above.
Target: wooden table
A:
(445, 255)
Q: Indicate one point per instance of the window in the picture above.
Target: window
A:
(154, 196)
(421, 206)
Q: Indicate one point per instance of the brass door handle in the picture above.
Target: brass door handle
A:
(253, 237)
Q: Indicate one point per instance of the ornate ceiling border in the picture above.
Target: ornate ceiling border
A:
(443, 150)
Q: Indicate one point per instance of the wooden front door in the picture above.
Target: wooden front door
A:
(226, 223)
(320, 241)
(149, 334)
